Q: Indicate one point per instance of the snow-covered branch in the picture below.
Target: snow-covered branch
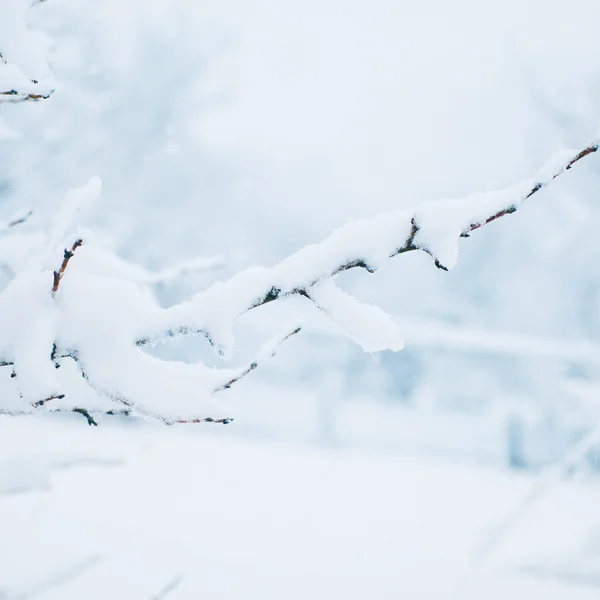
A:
(24, 74)
(96, 314)
(434, 227)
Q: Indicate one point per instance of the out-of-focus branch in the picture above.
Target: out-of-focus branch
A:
(15, 96)
(68, 255)
(170, 587)
(197, 265)
(16, 86)
(490, 544)
(82, 411)
(18, 218)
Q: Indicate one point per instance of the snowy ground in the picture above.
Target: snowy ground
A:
(140, 512)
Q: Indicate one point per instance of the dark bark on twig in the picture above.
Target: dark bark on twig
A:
(254, 364)
(224, 421)
(20, 220)
(42, 402)
(58, 275)
(15, 96)
(82, 411)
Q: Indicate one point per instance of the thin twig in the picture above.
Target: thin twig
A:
(224, 421)
(42, 402)
(82, 411)
(86, 414)
(19, 220)
(15, 96)
(255, 363)
(68, 255)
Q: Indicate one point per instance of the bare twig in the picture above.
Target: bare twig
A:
(17, 219)
(86, 414)
(58, 275)
(82, 411)
(42, 402)
(255, 363)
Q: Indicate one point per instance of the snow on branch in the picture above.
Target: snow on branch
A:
(24, 74)
(434, 227)
(77, 338)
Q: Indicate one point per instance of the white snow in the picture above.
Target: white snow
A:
(229, 518)
(367, 325)
(23, 66)
(105, 309)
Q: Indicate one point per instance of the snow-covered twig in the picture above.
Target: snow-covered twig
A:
(54, 397)
(434, 227)
(15, 84)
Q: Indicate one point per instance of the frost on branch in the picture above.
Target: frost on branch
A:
(31, 79)
(75, 318)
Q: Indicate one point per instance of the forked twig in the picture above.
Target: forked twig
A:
(68, 255)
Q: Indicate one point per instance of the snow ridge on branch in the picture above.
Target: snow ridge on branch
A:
(96, 314)
(31, 80)
(80, 332)
(434, 227)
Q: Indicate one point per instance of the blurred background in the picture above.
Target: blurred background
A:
(251, 128)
